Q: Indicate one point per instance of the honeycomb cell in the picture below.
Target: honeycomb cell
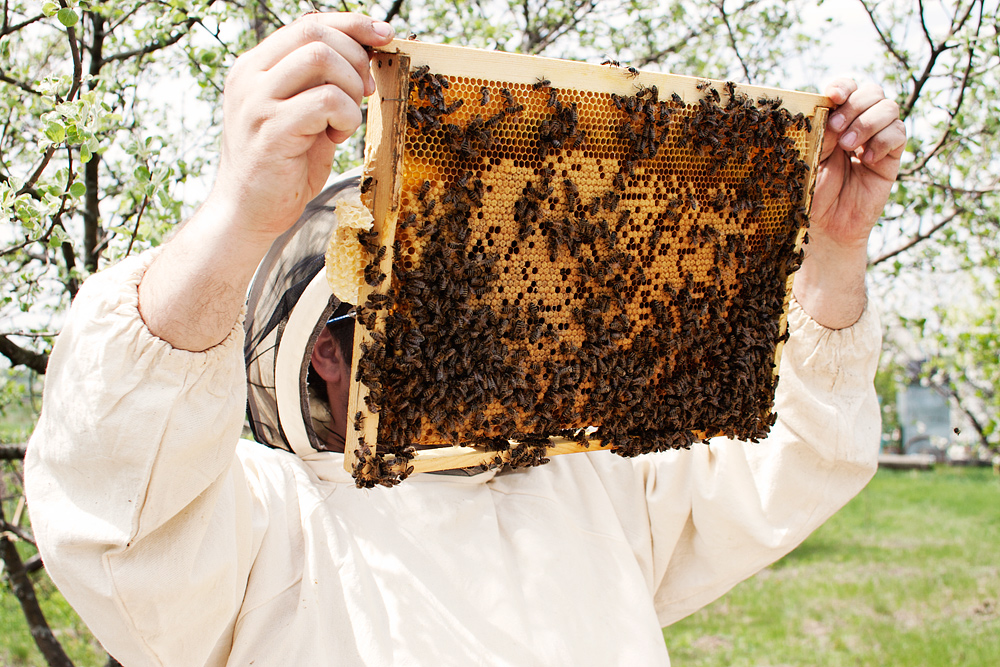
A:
(650, 266)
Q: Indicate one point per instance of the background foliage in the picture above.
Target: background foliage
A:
(110, 120)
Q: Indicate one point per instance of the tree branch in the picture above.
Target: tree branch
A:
(936, 51)
(155, 46)
(542, 42)
(915, 239)
(24, 591)
(948, 388)
(11, 29)
(886, 41)
(74, 49)
(19, 84)
(20, 356)
(721, 6)
(393, 10)
(951, 118)
(13, 452)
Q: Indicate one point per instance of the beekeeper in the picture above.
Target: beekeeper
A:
(181, 544)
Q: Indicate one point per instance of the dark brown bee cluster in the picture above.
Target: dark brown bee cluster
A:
(461, 352)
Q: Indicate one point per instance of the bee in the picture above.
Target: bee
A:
(632, 72)
(541, 83)
(484, 96)
(655, 237)
(611, 200)
(366, 185)
(572, 193)
(613, 63)
(424, 189)
(359, 421)
(553, 100)
(373, 276)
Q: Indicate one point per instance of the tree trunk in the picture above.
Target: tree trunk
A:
(92, 202)
(24, 591)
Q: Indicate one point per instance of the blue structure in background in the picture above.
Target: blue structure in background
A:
(925, 420)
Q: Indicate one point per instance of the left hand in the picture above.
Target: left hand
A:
(860, 159)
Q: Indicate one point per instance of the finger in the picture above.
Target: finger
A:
(840, 89)
(313, 64)
(856, 104)
(889, 142)
(873, 120)
(362, 30)
(312, 111)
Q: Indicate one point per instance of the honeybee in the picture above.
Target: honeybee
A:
(425, 187)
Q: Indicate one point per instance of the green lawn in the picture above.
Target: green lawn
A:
(907, 574)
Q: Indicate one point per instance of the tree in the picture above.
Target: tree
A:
(939, 233)
(98, 161)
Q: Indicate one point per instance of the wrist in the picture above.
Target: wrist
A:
(830, 285)
(192, 293)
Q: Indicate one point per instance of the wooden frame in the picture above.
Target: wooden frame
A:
(385, 140)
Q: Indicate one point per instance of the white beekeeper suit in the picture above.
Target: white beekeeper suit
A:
(181, 544)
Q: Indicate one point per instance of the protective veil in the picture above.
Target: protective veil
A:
(288, 304)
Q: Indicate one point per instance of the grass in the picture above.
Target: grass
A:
(907, 574)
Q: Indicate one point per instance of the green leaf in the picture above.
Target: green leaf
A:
(78, 189)
(50, 8)
(55, 132)
(67, 17)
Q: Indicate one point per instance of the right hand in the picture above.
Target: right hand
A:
(288, 102)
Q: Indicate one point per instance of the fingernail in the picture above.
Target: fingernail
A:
(837, 122)
(382, 28)
(868, 157)
(847, 141)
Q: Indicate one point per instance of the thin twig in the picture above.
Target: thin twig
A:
(915, 239)
(721, 6)
(138, 219)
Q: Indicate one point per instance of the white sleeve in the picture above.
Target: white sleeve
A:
(720, 513)
(141, 511)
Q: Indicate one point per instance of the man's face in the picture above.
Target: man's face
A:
(331, 361)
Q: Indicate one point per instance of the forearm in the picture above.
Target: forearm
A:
(830, 286)
(193, 292)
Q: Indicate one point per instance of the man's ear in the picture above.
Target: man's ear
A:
(328, 360)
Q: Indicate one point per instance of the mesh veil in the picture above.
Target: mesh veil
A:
(287, 305)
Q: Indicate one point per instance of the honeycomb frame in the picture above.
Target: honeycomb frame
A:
(550, 144)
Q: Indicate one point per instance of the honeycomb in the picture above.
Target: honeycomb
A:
(345, 256)
(609, 268)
